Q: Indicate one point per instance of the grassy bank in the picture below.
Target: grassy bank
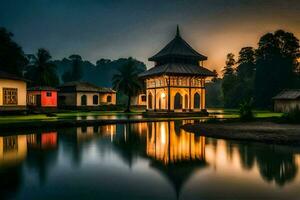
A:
(80, 118)
(259, 131)
(234, 113)
(13, 119)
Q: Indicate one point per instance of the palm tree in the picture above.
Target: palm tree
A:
(127, 81)
(41, 71)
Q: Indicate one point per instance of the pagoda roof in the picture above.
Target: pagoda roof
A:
(178, 48)
(177, 69)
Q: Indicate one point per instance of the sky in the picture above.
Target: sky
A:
(112, 29)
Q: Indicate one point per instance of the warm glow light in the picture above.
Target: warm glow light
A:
(163, 95)
(163, 133)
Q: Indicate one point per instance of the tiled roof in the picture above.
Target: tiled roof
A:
(42, 88)
(288, 95)
(80, 86)
(5, 75)
(179, 48)
(177, 69)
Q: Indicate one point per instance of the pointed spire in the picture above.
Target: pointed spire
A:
(177, 31)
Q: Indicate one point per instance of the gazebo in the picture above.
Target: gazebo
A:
(177, 81)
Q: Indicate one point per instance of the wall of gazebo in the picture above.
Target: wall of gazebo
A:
(185, 94)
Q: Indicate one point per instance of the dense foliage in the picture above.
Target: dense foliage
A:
(100, 73)
(41, 71)
(12, 58)
(276, 62)
(76, 72)
(263, 72)
(245, 110)
(127, 81)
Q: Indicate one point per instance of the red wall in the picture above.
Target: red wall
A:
(49, 101)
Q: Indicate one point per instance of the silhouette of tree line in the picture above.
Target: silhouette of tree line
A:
(258, 74)
(43, 71)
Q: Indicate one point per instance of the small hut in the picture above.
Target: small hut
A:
(42, 97)
(287, 100)
(83, 94)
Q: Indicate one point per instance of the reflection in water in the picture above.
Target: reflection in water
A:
(42, 153)
(13, 150)
(176, 155)
(170, 145)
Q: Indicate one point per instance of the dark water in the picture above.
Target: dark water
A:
(143, 161)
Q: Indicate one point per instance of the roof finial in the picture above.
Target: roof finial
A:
(177, 31)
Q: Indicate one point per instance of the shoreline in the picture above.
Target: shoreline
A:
(258, 131)
(67, 123)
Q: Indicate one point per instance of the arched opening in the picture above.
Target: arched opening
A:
(177, 101)
(150, 101)
(108, 99)
(83, 100)
(143, 98)
(162, 101)
(197, 100)
(95, 99)
(186, 101)
(159, 103)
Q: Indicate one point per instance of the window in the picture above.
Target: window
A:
(30, 99)
(108, 99)
(49, 94)
(177, 101)
(143, 97)
(149, 101)
(197, 100)
(95, 99)
(10, 96)
(83, 100)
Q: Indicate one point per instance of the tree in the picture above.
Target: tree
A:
(12, 58)
(245, 75)
(230, 62)
(246, 63)
(126, 81)
(276, 64)
(215, 78)
(42, 72)
(229, 82)
(76, 72)
(214, 93)
(103, 61)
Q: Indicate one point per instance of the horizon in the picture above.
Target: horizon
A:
(116, 29)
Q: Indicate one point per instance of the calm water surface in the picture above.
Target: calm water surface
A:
(143, 161)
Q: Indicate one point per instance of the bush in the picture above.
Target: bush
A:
(292, 116)
(245, 111)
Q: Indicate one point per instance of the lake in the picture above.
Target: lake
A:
(156, 160)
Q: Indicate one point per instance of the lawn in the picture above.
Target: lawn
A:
(234, 113)
(218, 113)
(64, 115)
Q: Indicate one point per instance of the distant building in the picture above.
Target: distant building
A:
(287, 100)
(84, 94)
(177, 81)
(139, 100)
(12, 92)
(42, 97)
